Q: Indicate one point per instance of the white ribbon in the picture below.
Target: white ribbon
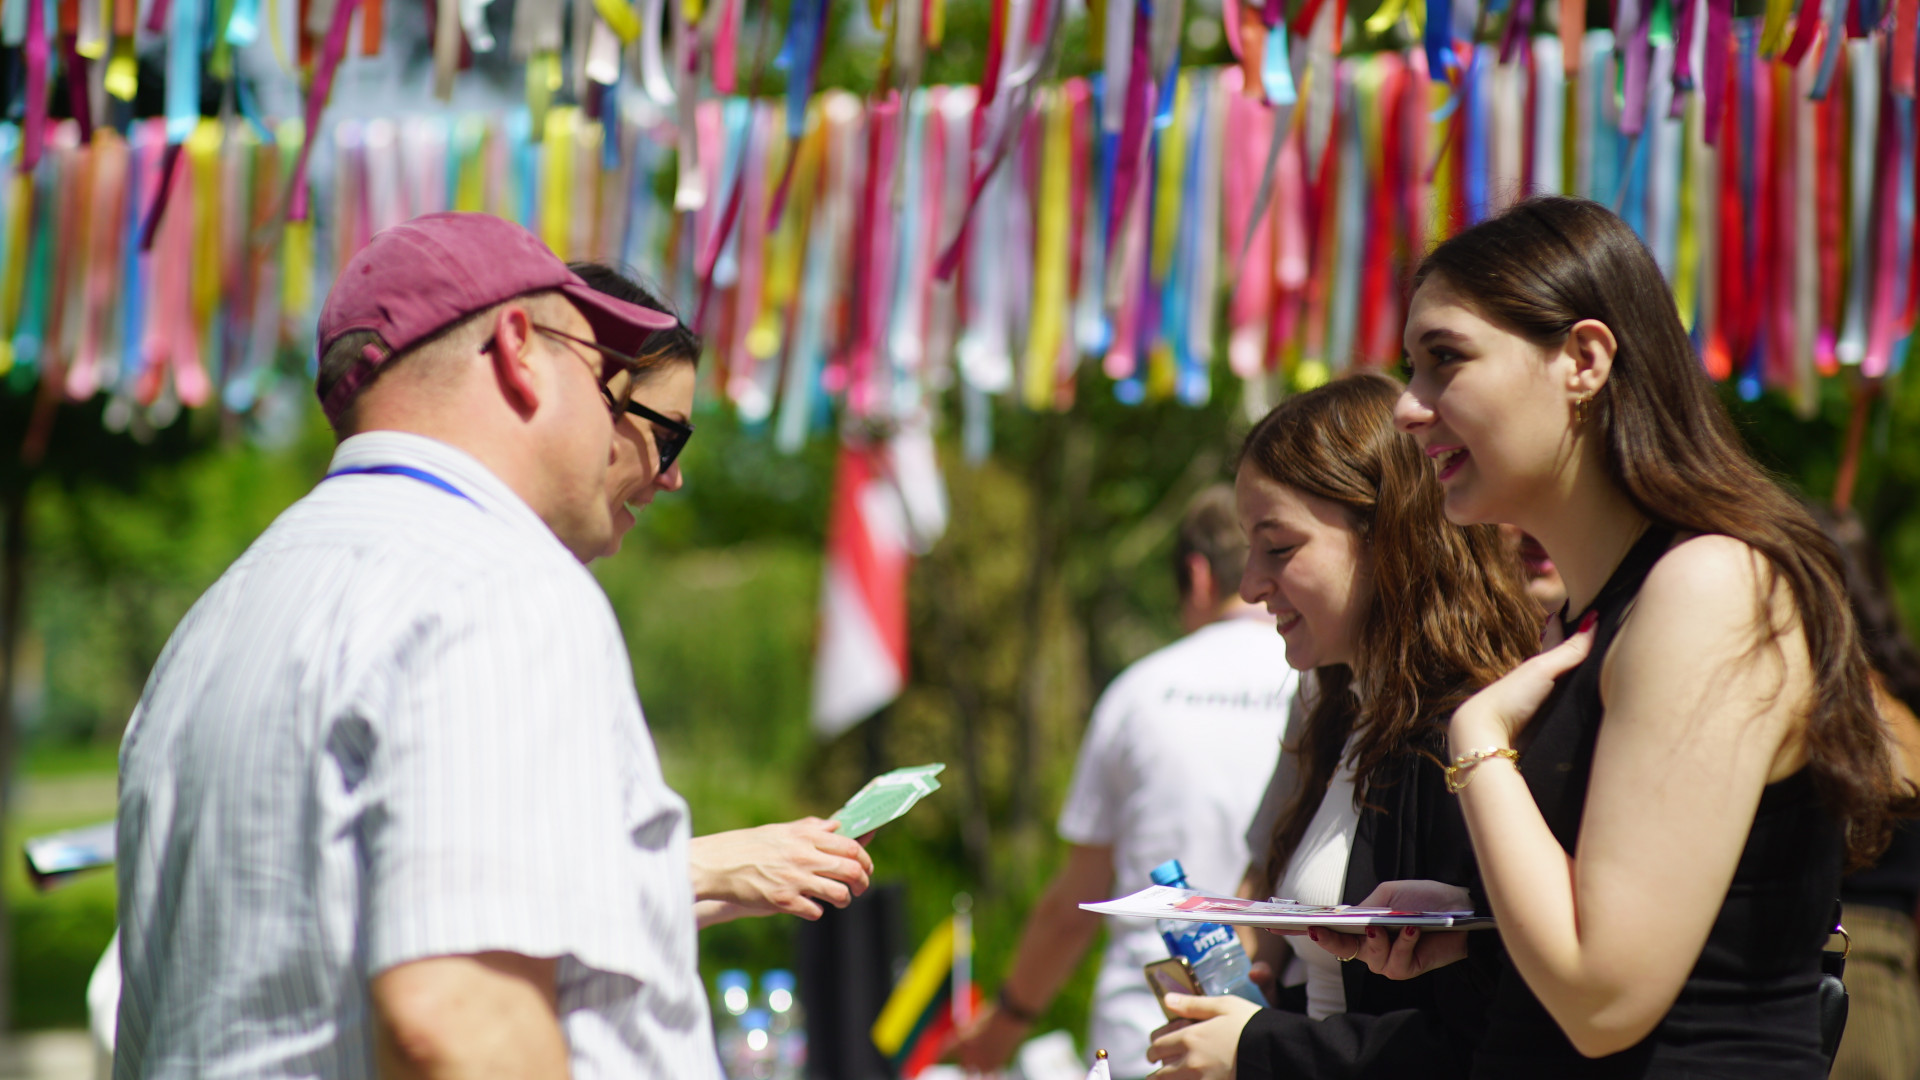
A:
(1351, 225)
(1662, 139)
(653, 65)
(1207, 239)
(473, 19)
(1863, 69)
(1119, 64)
(1549, 113)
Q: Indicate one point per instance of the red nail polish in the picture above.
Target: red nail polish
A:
(1588, 623)
(1408, 932)
(1313, 934)
(1373, 931)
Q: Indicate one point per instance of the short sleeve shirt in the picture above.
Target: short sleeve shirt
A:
(402, 725)
(1173, 765)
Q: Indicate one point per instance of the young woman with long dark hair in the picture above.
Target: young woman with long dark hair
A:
(1661, 803)
(1400, 616)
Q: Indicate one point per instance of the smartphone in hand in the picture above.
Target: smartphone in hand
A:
(1171, 976)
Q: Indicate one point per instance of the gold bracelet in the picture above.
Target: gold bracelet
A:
(1461, 771)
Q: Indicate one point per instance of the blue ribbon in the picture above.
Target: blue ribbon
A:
(243, 27)
(1439, 40)
(1276, 69)
(140, 188)
(183, 69)
(526, 170)
(806, 26)
(1479, 116)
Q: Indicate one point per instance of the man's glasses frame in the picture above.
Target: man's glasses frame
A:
(670, 436)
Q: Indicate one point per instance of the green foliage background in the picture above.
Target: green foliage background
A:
(1051, 578)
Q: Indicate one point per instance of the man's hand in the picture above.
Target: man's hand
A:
(454, 1017)
(1403, 952)
(1202, 1044)
(987, 1044)
(785, 867)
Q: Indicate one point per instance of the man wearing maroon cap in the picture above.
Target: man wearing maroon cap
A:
(388, 803)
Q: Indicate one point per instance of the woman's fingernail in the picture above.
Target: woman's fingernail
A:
(1373, 932)
(1313, 934)
(1588, 623)
(1408, 932)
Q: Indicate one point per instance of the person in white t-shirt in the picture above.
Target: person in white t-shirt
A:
(1173, 765)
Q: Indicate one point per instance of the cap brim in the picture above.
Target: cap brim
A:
(616, 323)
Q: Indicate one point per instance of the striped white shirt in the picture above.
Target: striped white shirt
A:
(402, 725)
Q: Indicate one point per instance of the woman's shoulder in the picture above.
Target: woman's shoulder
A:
(1706, 577)
(1709, 599)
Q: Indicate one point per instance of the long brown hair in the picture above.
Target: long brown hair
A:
(1447, 612)
(1550, 262)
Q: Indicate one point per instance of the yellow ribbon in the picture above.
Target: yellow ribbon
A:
(123, 70)
(1385, 16)
(470, 182)
(274, 36)
(1441, 201)
(556, 185)
(1171, 170)
(1686, 256)
(13, 282)
(543, 80)
(787, 246)
(1050, 263)
(1773, 34)
(296, 250)
(203, 154)
(620, 19)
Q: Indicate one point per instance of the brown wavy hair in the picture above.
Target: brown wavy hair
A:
(1670, 446)
(1448, 610)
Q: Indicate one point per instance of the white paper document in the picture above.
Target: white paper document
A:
(1166, 902)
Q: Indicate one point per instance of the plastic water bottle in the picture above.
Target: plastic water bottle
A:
(729, 1031)
(1212, 951)
(789, 1025)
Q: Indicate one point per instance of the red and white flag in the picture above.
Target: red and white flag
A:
(888, 504)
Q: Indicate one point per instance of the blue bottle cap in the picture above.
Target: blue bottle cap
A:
(1169, 873)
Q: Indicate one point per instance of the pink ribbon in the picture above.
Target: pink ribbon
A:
(330, 55)
(34, 136)
(1719, 43)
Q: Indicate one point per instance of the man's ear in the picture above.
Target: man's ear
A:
(511, 355)
(1200, 583)
(1592, 346)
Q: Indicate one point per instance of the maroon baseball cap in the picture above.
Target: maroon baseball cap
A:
(415, 279)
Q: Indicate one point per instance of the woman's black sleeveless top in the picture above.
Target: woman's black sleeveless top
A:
(1748, 1010)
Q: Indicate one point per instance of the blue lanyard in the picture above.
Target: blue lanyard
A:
(421, 475)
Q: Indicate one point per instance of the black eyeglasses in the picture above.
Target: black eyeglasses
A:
(619, 377)
(669, 435)
(619, 373)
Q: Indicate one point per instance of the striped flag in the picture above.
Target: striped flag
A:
(888, 503)
(931, 1001)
